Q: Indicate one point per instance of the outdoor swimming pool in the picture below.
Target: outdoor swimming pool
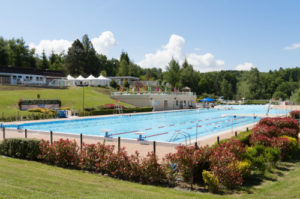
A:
(162, 126)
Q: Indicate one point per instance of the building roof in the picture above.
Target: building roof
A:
(31, 71)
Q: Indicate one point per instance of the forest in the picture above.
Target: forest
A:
(82, 59)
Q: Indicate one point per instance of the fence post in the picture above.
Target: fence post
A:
(3, 133)
(154, 147)
(218, 140)
(119, 144)
(247, 129)
(25, 133)
(81, 141)
(196, 145)
(51, 137)
(235, 133)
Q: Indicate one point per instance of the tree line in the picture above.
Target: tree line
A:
(82, 59)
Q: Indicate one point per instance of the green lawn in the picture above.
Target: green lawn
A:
(26, 179)
(71, 97)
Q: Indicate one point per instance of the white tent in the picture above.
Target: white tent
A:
(91, 77)
(80, 78)
(104, 81)
(69, 77)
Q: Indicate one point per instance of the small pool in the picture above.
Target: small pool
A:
(163, 126)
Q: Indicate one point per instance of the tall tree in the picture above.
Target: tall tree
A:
(44, 63)
(172, 73)
(75, 59)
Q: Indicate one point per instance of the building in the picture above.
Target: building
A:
(120, 79)
(158, 100)
(28, 76)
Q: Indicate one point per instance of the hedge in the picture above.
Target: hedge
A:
(112, 111)
(20, 148)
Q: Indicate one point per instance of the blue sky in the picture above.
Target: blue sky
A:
(212, 35)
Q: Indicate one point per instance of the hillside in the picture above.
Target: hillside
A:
(70, 97)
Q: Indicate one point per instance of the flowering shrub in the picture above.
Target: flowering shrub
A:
(295, 114)
(94, 156)
(288, 146)
(62, 153)
(244, 167)
(211, 180)
(258, 139)
(151, 171)
(190, 162)
(223, 164)
(285, 122)
(289, 132)
(266, 130)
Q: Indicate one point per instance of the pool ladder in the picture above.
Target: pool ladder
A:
(178, 133)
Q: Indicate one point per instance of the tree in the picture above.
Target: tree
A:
(254, 84)
(113, 84)
(3, 52)
(75, 59)
(172, 74)
(92, 65)
(45, 63)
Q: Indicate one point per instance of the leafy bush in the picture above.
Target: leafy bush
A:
(211, 180)
(266, 130)
(295, 114)
(20, 148)
(244, 167)
(285, 122)
(190, 162)
(258, 139)
(152, 172)
(288, 146)
(42, 110)
(272, 155)
(223, 164)
(63, 153)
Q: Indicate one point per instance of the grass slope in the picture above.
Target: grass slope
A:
(26, 179)
(71, 97)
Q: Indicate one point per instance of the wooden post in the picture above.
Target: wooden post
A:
(247, 129)
(25, 133)
(119, 144)
(81, 141)
(51, 137)
(196, 145)
(218, 140)
(154, 147)
(235, 133)
(3, 133)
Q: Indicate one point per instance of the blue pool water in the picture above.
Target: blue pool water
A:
(163, 126)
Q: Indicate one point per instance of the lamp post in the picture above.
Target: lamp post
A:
(82, 84)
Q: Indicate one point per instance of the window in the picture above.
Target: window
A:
(14, 77)
(30, 78)
(184, 103)
(176, 102)
(19, 77)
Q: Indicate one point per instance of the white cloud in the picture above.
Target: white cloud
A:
(245, 66)
(292, 46)
(102, 44)
(174, 49)
(57, 46)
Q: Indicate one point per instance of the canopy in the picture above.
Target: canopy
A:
(80, 78)
(91, 77)
(207, 100)
(101, 77)
(69, 77)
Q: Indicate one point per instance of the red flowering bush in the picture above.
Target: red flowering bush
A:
(288, 146)
(62, 153)
(260, 139)
(266, 130)
(225, 166)
(285, 122)
(190, 162)
(93, 157)
(295, 114)
(151, 171)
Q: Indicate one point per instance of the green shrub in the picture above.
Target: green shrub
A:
(20, 148)
(211, 181)
(244, 167)
(272, 155)
(255, 155)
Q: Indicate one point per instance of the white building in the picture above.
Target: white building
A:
(28, 76)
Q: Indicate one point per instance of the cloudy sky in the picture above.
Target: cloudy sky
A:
(212, 35)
